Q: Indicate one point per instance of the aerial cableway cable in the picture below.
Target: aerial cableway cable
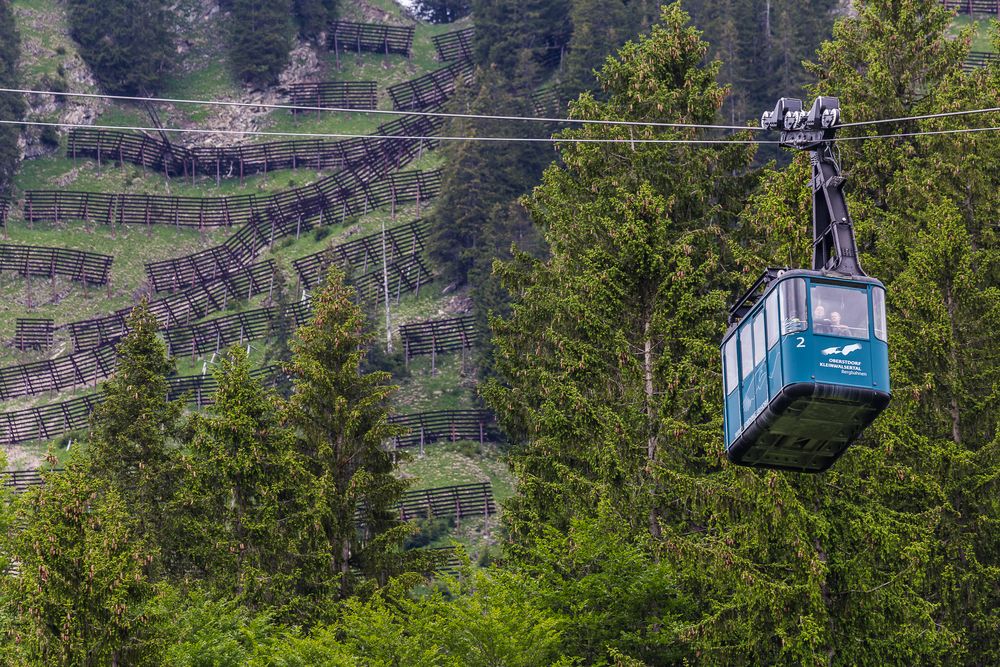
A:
(337, 135)
(435, 114)
(513, 139)
(442, 114)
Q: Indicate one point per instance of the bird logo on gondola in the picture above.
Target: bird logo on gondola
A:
(846, 350)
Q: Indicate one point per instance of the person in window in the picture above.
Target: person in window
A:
(837, 327)
(821, 325)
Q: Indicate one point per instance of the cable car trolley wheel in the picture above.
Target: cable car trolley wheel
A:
(805, 359)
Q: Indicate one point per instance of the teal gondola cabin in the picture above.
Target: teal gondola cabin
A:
(805, 369)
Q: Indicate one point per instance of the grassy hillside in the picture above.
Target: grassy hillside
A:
(202, 73)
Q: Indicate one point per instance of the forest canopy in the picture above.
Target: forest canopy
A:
(265, 530)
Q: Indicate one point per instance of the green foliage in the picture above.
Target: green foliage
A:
(442, 11)
(492, 618)
(247, 493)
(762, 46)
(631, 292)
(341, 422)
(924, 212)
(867, 66)
(599, 29)
(128, 44)
(260, 39)
(282, 325)
(608, 374)
(11, 105)
(472, 222)
(81, 588)
(131, 444)
(519, 37)
(196, 629)
(615, 599)
(313, 16)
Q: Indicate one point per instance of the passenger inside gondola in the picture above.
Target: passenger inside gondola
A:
(821, 325)
(848, 310)
(837, 327)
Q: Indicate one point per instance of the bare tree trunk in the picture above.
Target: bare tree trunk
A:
(954, 409)
(385, 286)
(651, 417)
(345, 557)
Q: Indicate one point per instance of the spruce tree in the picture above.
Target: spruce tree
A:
(479, 180)
(249, 493)
(923, 210)
(609, 380)
(516, 36)
(340, 416)
(313, 16)
(11, 105)
(443, 11)
(81, 588)
(281, 327)
(131, 444)
(260, 39)
(599, 29)
(128, 44)
(762, 44)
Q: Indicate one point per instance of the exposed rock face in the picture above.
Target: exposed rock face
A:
(303, 65)
(44, 38)
(378, 15)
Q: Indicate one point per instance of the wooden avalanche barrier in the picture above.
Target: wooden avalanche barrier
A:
(455, 45)
(333, 94)
(446, 425)
(372, 37)
(89, 268)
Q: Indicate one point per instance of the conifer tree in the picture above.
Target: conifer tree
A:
(128, 44)
(924, 210)
(11, 105)
(131, 444)
(82, 582)
(762, 45)
(443, 11)
(248, 488)
(313, 16)
(479, 178)
(281, 326)
(599, 29)
(260, 39)
(609, 380)
(517, 35)
(341, 422)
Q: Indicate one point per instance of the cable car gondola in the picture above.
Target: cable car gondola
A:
(805, 359)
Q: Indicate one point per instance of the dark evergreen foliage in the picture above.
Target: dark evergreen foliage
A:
(599, 29)
(762, 44)
(630, 540)
(313, 16)
(476, 219)
(520, 36)
(247, 497)
(480, 178)
(442, 11)
(340, 418)
(11, 105)
(128, 44)
(133, 433)
(260, 39)
(78, 599)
